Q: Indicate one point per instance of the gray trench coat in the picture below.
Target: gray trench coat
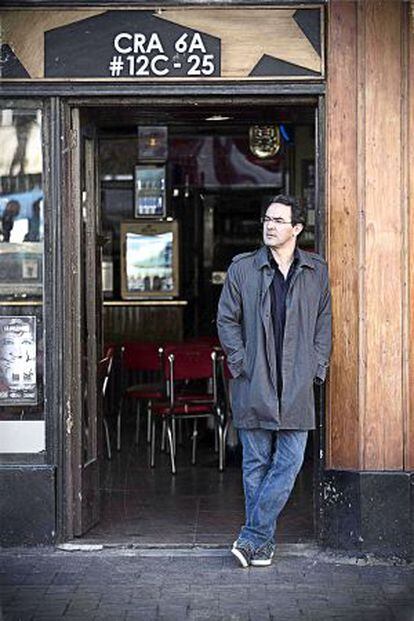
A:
(246, 334)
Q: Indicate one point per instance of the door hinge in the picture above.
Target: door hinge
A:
(73, 138)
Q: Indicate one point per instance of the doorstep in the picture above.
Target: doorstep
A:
(172, 549)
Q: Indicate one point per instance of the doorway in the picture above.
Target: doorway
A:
(217, 180)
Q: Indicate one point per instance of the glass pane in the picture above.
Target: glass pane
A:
(89, 301)
(149, 264)
(21, 281)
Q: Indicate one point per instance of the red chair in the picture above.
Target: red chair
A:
(146, 359)
(186, 390)
(104, 373)
(184, 365)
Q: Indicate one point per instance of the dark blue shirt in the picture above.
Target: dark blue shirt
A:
(278, 292)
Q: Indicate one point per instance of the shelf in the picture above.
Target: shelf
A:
(145, 302)
(21, 303)
(237, 241)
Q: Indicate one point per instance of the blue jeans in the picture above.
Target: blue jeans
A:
(271, 463)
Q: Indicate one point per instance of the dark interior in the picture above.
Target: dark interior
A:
(216, 188)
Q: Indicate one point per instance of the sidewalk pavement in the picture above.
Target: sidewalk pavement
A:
(181, 584)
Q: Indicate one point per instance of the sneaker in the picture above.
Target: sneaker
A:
(263, 556)
(243, 553)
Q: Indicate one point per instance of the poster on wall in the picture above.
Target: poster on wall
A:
(18, 360)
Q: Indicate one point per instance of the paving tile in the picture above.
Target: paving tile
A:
(196, 587)
(403, 613)
(142, 615)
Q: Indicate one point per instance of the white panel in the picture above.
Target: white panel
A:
(22, 436)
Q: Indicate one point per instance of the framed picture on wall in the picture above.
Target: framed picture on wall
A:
(21, 269)
(149, 260)
(152, 143)
(149, 190)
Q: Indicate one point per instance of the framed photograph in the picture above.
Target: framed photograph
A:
(21, 269)
(152, 143)
(149, 260)
(18, 382)
(149, 191)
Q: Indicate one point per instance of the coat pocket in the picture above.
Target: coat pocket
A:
(240, 395)
(249, 359)
(315, 362)
(246, 367)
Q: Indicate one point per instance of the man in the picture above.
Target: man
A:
(274, 324)
(11, 211)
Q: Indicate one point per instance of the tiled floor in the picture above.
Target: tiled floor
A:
(199, 505)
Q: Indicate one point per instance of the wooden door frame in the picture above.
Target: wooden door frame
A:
(70, 513)
(68, 479)
(71, 317)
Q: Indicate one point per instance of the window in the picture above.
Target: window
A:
(21, 281)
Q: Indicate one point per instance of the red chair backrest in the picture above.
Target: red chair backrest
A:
(211, 341)
(191, 362)
(109, 351)
(141, 356)
(105, 368)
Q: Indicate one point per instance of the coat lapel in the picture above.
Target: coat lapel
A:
(266, 317)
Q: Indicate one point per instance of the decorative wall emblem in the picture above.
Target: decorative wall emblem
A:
(264, 140)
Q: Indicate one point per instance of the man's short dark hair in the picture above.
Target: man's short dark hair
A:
(298, 211)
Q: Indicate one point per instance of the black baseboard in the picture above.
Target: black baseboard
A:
(27, 506)
(368, 512)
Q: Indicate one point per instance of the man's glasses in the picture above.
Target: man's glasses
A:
(278, 221)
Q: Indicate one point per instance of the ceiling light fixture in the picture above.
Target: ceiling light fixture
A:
(218, 117)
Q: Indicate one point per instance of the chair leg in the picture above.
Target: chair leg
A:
(163, 429)
(221, 446)
(118, 427)
(149, 420)
(174, 434)
(216, 439)
(137, 422)
(193, 454)
(107, 439)
(153, 444)
(171, 443)
(180, 431)
(226, 430)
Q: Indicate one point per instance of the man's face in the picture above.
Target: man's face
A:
(278, 234)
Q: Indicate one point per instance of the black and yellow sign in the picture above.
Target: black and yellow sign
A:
(199, 43)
